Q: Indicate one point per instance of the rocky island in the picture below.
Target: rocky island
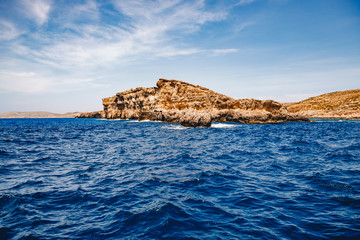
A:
(190, 105)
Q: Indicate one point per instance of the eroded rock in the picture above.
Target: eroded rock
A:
(195, 119)
(96, 114)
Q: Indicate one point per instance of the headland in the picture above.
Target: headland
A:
(190, 105)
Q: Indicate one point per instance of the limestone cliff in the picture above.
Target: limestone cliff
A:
(341, 104)
(190, 105)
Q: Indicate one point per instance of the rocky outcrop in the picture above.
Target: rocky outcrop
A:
(190, 105)
(341, 104)
(96, 114)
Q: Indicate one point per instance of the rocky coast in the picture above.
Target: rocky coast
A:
(190, 105)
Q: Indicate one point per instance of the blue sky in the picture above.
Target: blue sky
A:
(62, 56)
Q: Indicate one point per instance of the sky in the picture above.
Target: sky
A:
(65, 56)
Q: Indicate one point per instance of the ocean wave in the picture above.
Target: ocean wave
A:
(109, 120)
(74, 179)
(223, 125)
(175, 127)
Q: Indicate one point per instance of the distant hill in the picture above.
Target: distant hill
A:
(341, 104)
(37, 115)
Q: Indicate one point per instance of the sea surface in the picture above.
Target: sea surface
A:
(100, 179)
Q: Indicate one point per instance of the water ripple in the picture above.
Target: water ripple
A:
(91, 179)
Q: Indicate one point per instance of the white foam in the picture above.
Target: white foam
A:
(223, 125)
(149, 121)
(175, 127)
(127, 120)
(104, 119)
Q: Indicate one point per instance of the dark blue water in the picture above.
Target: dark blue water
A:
(96, 179)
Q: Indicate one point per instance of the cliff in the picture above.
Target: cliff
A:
(190, 105)
(341, 104)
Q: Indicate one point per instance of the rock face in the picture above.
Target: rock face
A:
(190, 105)
(96, 114)
(342, 104)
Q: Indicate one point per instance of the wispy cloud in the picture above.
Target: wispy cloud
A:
(242, 26)
(38, 10)
(150, 31)
(165, 15)
(75, 15)
(8, 30)
(243, 2)
(82, 40)
(224, 51)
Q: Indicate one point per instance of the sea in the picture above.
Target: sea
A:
(124, 179)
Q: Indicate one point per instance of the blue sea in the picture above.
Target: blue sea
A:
(101, 179)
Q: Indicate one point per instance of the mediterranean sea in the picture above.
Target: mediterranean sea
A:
(101, 179)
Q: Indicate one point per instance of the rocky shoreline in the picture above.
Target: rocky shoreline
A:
(190, 105)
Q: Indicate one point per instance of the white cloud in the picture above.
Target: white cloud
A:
(148, 34)
(38, 10)
(171, 52)
(8, 30)
(243, 2)
(88, 9)
(152, 29)
(224, 51)
(242, 26)
(84, 12)
(168, 14)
